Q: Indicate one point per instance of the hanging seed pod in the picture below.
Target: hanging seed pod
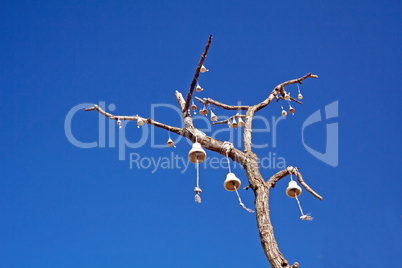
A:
(170, 142)
(203, 69)
(300, 96)
(213, 117)
(197, 154)
(287, 96)
(234, 123)
(291, 109)
(193, 106)
(293, 189)
(231, 182)
(284, 113)
(140, 122)
(241, 122)
(204, 111)
(199, 88)
(118, 122)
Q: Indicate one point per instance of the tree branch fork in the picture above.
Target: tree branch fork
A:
(246, 158)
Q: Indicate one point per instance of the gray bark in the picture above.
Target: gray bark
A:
(246, 158)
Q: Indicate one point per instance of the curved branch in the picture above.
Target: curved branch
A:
(247, 158)
(222, 105)
(278, 176)
(209, 143)
(197, 73)
(280, 89)
(189, 132)
(265, 228)
(229, 119)
(299, 80)
(188, 122)
(149, 121)
(300, 179)
(278, 98)
(291, 170)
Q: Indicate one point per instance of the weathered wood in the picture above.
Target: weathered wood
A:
(229, 119)
(197, 73)
(222, 105)
(246, 158)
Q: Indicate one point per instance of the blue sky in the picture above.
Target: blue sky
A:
(65, 206)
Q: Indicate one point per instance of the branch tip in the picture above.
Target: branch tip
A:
(196, 75)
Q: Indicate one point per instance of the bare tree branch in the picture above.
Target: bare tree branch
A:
(222, 105)
(300, 179)
(291, 170)
(197, 73)
(247, 159)
(280, 89)
(278, 176)
(278, 98)
(299, 80)
(189, 132)
(188, 122)
(247, 130)
(149, 121)
(229, 119)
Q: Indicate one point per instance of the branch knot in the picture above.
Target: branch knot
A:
(292, 170)
(226, 148)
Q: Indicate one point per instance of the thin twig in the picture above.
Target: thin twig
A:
(290, 170)
(278, 176)
(136, 118)
(229, 119)
(300, 179)
(197, 73)
(278, 98)
(279, 89)
(299, 80)
(222, 105)
(191, 133)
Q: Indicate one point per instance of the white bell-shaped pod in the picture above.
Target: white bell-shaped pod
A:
(291, 110)
(140, 121)
(300, 96)
(241, 122)
(213, 117)
(234, 123)
(231, 182)
(197, 153)
(293, 189)
(170, 142)
(199, 88)
(203, 69)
